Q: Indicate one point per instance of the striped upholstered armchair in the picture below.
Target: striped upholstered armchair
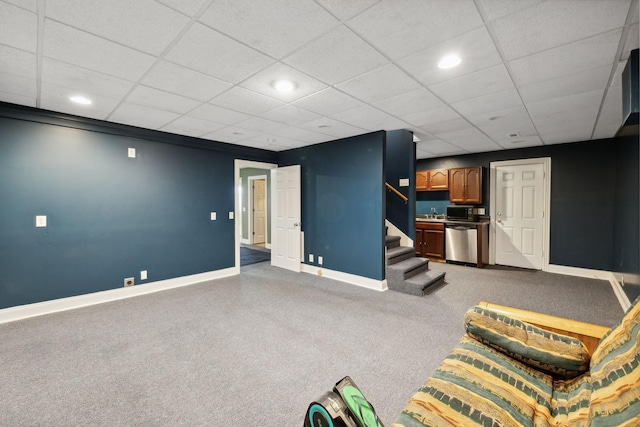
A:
(509, 372)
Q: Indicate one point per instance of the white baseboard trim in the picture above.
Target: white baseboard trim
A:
(365, 282)
(12, 314)
(245, 241)
(594, 274)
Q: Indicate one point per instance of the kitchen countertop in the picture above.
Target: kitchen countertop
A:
(446, 221)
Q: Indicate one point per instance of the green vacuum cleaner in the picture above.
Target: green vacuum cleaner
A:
(345, 406)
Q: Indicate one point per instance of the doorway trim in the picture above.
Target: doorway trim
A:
(250, 219)
(546, 167)
(237, 165)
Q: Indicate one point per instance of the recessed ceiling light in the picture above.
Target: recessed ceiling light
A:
(449, 62)
(78, 99)
(284, 85)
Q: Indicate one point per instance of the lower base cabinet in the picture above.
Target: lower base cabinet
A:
(430, 240)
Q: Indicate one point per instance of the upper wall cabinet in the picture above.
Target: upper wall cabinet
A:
(465, 185)
(435, 179)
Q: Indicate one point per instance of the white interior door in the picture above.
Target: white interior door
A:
(259, 211)
(286, 217)
(519, 215)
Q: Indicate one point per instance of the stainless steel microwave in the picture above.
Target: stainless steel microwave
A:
(461, 213)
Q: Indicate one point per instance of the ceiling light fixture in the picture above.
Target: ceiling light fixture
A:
(284, 85)
(78, 99)
(449, 62)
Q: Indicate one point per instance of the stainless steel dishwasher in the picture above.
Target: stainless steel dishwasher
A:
(461, 243)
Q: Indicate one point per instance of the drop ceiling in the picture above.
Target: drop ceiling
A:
(532, 72)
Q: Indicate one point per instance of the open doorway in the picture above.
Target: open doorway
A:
(252, 208)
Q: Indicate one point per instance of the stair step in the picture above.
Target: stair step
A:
(392, 241)
(427, 279)
(399, 253)
(408, 268)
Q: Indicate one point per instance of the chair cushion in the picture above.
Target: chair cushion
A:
(570, 402)
(477, 385)
(615, 373)
(559, 355)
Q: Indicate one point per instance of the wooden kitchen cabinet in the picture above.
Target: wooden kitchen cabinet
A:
(430, 240)
(465, 185)
(435, 179)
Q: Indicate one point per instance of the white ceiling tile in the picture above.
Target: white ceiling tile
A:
(605, 131)
(18, 27)
(470, 140)
(611, 112)
(522, 142)
(569, 59)
(439, 147)
(328, 101)
(446, 126)
(260, 24)
(205, 50)
(579, 130)
(498, 8)
(336, 57)
(475, 48)
(141, 116)
(263, 82)
(333, 127)
(247, 101)
(489, 80)
(572, 84)
(231, 134)
(123, 21)
(18, 62)
(86, 82)
(290, 115)
(347, 9)
(402, 27)
(415, 101)
(301, 135)
(56, 98)
(424, 118)
(552, 23)
(18, 85)
(218, 114)
(13, 98)
(191, 126)
(77, 47)
(633, 41)
(155, 98)
(176, 79)
(31, 5)
(565, 103)
(259, 124)
(382, 83)
(511, 120)
(188, 7)
(369, 118)
(487, 103)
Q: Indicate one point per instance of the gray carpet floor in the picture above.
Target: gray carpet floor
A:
(256, 349)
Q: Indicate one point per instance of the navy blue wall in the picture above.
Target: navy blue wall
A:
(400, 164)
(343, 203)
(109, 216)
(583, 201)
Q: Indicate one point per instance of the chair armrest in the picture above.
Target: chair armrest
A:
(589, 333)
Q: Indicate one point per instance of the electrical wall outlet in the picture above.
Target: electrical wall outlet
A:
(231, 214)
(319, 260)
(41, 221)
(131, 153)
(213, 216)
(143, 275)
(311, 258)
(129, 281)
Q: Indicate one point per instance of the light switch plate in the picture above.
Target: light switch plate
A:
(231, 215)
(131, 152)
(213, 216)
(41, 221)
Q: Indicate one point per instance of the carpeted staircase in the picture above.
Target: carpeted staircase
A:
(406, 272)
